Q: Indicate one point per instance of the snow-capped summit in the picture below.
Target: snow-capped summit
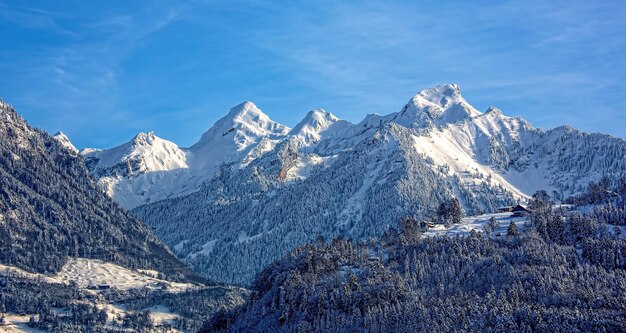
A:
(65, 142)
(151, 152)
(233, 136)
(144, 138)
(493, 110)
(440, 105)
(316, 125)
(437, 123)
(128, 171)
(254, 190)
(244, 123)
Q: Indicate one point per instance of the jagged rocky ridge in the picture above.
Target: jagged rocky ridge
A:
(251, 189)
(51, 208)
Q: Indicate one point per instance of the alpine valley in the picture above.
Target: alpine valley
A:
(72, 260)
(251, 189)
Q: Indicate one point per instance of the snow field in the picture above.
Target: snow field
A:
(89, 273)
(477, 223)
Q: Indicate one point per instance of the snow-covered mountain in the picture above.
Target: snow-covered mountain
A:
(65, 142)
(268, 189)
(50, 209)
(138, 171)
(149, 168)
(445, 128)
(317, 125)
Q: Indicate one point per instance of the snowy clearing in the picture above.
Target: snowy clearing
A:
(476, 223)
(89, 273)
(17, 323)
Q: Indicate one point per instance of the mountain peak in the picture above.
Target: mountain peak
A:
(439, 105)
(451, 90)
(442, 96)
(144, 138)
(245, 109)
(315, 123)
(492, 109)
(245, 121)
(65, 142)
(319, 116)
(248, 116)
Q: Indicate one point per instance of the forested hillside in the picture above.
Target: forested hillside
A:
(561, 272)
(329, 177)
(50, 208)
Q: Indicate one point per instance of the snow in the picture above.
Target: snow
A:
(316, 125)
(149, 168)
(243, 237)
(179, 246)
(345, 272)
(476, 223)
(157, 154)
(18, 323)
(161, 314)
(476, 146)
(90, 273)
(529, 181)
(266, 145)
(612, 228)
(137, 165)
(306, 164)
(5, 269)
(235, 134)
(65, 142)
(207, 248)
(353, 212)
(442, 104)
(458, 151)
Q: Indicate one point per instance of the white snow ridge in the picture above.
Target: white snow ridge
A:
(65, 142)
(249, 175)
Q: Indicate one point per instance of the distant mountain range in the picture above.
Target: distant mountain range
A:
(252, 189)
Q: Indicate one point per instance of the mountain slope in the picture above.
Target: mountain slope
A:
(254, 214)
(149, 168)
(50, 208)
(330, 177)
(65, 141)
(318, 125)
(561, 276)
(127, 172)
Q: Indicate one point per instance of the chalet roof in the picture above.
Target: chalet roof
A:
(520, 208)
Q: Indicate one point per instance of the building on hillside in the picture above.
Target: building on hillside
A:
(505, 209)
(520, 211)
(425, 225)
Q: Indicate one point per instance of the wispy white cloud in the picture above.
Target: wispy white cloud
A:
(378, 53)
(351, 58)
(82, 69)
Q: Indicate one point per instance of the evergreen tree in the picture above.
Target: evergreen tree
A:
(409, 229)
(443, 213)
(512, 230)
(493, 223)
(456, 211)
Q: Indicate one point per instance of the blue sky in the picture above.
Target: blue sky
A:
(103, 71)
